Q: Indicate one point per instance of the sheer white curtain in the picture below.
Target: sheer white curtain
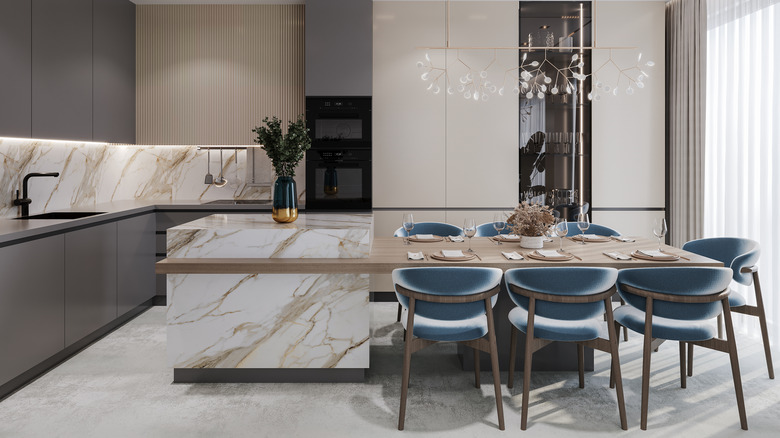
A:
(742, 141)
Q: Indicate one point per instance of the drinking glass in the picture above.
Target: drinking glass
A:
(408, 226)
(561, 229)
(469, 229)
(660, 229)
(499, 224)
(583, 223)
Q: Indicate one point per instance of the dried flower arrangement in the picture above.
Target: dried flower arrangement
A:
(531, 219)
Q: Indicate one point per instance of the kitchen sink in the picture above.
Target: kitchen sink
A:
(240, 202)
(63, 215)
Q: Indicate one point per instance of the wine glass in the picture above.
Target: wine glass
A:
(469, 230)
(499, 224)
(660, 229)
(583, 223)
(561, 229)
(408, 226)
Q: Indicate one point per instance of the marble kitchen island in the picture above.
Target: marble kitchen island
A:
(255, 327)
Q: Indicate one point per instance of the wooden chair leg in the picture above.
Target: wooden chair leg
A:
(646, 353)
(762, 321)
(529, 340)
(690, 359)
(720, 326)
(407, 364)
(734, 364)
(615, 375)
(512, 356)
(398, 318)
(476, 368)
(494, 363)
(612, 368)
(683, 374)
(581, 363)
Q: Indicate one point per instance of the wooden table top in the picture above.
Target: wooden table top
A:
(388, 253)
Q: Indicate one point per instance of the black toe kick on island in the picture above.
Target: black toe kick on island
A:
(268, 375)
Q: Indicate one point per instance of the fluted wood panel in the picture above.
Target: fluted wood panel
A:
(208, 74)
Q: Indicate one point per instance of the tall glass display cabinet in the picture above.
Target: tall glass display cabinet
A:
(555, 112)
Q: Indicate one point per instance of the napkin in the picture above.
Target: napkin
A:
(512, 255)
(415, 255)
(424, 236)
(549, 253)
(623, 239)
(654, 253)
(510, 237)
(456, 238)
(452, 253)
(617, 256)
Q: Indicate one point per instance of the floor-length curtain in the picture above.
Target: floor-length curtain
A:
(742, 160)
(686, 49)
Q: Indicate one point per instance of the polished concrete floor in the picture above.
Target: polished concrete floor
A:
(121, 387)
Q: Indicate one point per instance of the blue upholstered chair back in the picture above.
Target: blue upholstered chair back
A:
(734, 252)
(487, 230)
(676, 281)
(599, 230)
(437, 228)
(447, 281)
(578, 281)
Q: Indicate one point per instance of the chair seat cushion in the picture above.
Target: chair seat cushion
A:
(448, 331)
(559, 329)
(736, 299)
(665, 328)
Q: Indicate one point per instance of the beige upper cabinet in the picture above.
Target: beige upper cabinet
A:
(208, 74)
(440, 150)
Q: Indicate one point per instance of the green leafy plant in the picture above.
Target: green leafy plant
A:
(285, 151)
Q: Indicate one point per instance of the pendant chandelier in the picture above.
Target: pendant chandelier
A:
(534, 78)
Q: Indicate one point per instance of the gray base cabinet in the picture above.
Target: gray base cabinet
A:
(135, 261)
(90, 280)
(31, 305)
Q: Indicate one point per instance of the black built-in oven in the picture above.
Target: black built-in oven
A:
(338, 179)
(338, 165)
(339, 122)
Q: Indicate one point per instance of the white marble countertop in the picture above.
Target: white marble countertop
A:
(313, 235)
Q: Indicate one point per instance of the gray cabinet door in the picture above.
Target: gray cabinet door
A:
(62, 69)
(31, 305)
(114, 71)
(15, 59)
(90, 280)
(136, 278)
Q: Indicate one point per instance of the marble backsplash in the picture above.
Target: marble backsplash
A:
(94, 173)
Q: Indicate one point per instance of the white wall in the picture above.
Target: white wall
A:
(628, 161)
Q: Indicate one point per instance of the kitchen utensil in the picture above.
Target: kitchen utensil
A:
(209, 176)
(220, 181)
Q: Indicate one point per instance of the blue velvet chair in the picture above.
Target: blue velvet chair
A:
(740, 255)
(678, 304)
(449, 304)
(599, 230)
(487, 230)
(437, 228)
(568, 305)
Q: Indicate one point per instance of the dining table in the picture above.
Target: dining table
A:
(388, 253)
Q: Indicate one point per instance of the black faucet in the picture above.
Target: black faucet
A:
(24, 201)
